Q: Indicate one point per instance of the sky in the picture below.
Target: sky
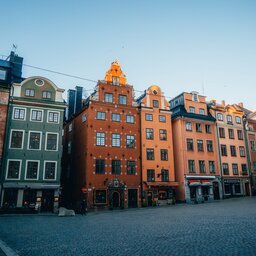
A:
(180, 45)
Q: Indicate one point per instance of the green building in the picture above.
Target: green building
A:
(33, 146)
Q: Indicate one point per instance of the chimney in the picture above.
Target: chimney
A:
(241, 104)
(223, 103)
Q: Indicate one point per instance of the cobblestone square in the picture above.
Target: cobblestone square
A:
(225, 227)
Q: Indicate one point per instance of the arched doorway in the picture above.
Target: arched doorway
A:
(116, 199)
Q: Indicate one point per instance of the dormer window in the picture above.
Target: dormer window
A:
(30, 92)
(195, 96)
(115, 80)
(47, 95)
(191, 109)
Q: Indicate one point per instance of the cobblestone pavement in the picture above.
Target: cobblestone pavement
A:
(225, 227)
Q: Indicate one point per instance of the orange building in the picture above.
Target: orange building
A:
(232, 149)
(102, 147)
(156, 148)
(195, 149)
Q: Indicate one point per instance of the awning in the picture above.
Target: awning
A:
(163, 184)
(208, 177)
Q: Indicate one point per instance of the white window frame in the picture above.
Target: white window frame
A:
(131, 117)
(39, 143)
(7, 169)
(222, 117)
(46, 136)
(17, 119)
(56, 168)
(38, 168)
(36, 109)
(22, 144)
(53, 111)
(238, 118)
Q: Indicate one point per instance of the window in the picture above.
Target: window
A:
(52, 141)
(162, 119)
(209, 145)
(240, 134)
(130, 141)
(116, 140)
(32, 170)
(164, 154)
(229, 119)
(16, 139)
(116, 166)
(149, 133)
(244, 169)
(100, 196)
(131, 167)
(101, 115)
(83, 118)
(13, 169)
(211, 166)
(36, 115)
(108, 97)
(202, 166)
(70, 127)
(242, 151)
(19, 113)
(190, 145)
(191, 109)
(150, 175)
(194, 96)
(149, 117)
(238, 120)
(252, 142)
(150, 154)
(122, 99)
(115, 80)
(69, 147)
(200, 145)
(188, 126)
(30, 92)
(220, 117)
(232, 150)
(155, 104)
(165, 175)
(100, 139)
(130, 119)
(254, 166)
(191, 166)
(223, 149)
(231, 133)
(225, 169)
(201, 111)
(222, 132)
(207, 128)
(2, 74)
(198, 127)
(116, 117)
(50, 170)
(100, 166)
(34, 140)
(53, 117)
(162, 134)
(235, 169)
(47, 95)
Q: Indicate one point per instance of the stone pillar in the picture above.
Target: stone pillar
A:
(187, 193)
(20, 197)
(199, 196)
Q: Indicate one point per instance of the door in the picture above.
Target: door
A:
(47, 200)
(132, 198)
(216, 192)
(149, 198)
(247, 189)
(116, 199)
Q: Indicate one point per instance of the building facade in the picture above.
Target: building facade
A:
(195, 149)
(233, 157)
(102, 147)
(33, 145)
(158, 177)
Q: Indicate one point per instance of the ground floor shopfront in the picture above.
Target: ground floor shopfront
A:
(159, 193)
(200, 189)
(233, 187)
(30, 197)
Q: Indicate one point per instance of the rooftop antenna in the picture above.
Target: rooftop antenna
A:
(14, 48)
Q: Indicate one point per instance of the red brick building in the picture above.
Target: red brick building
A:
(101, 160)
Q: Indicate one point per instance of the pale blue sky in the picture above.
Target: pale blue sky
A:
(181, 45)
